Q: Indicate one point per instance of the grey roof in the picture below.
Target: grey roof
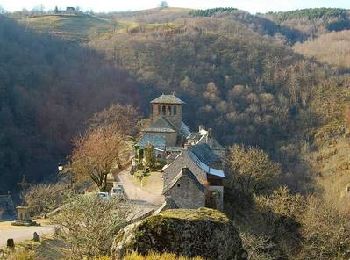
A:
(185, 172)
(156, 140)
(185, 130)
(189, 160)
(167, 99)
(205, 153)
(183, 160)
(161, 125)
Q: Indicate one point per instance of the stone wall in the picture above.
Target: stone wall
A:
(170, 139)
(173, 113)
(217, 196)
(186, 194)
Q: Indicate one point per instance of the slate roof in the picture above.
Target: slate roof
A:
(161, 125)
(185, 130)
(191, 161)
(205, 154)
(183, 160)
(156, 140)
(167, 99)
(184, 172)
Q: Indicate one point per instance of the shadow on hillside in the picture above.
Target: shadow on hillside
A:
(48, 89)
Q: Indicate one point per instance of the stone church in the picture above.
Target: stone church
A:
(193, 162)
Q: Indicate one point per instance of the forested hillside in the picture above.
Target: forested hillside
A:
(48, 88)
(313, 22)
(242, 75)
(245, 84)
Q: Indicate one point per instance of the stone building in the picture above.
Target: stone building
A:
(211, 179)
(166, 120)
(185, 190)
(166, 131)
(192, 175)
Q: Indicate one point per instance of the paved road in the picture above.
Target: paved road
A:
(20, 234)
(136, 193)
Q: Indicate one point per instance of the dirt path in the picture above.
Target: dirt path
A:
(20, 234)
(135, 192)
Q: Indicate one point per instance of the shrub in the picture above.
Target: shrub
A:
(88, 224)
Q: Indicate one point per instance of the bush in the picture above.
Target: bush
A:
(88, 224)
(251, 170)
(44, 198)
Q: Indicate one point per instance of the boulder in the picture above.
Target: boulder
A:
(187, 232)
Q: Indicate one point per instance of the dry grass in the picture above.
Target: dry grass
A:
(157, 256)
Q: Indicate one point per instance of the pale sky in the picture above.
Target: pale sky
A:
(252, 6)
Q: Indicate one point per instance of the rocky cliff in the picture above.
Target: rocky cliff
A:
(202, 232)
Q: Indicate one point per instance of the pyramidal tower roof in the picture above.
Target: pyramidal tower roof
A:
(167, 99)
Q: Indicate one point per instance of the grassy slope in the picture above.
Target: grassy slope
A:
(77, 28)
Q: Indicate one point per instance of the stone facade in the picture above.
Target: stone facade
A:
(186, 191)
(210, 179)
(168, 107)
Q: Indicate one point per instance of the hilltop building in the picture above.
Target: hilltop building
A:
(193, 162)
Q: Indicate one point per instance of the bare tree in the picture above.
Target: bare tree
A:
(43, 198)
(122, 118)
(164, 4)
(98, 153)
(251, 169)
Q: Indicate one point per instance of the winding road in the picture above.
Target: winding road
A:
(136, 193)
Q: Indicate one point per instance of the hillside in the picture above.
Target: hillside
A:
(238, 75)
(250, 89)
(313, 22)
(332, 48)
(68, 27)
(48, 89)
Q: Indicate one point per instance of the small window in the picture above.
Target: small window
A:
(163, 110)
(178, 185)
(174, 110)
(169, 110)
(159, 109)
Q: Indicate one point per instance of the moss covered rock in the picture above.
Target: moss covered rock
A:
(188, 232)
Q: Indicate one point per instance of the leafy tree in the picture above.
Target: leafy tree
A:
(250, 169)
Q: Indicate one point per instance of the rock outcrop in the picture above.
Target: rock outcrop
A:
(187, 232)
